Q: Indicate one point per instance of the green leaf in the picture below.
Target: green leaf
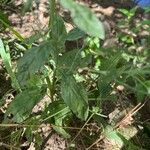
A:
(112, 135)
(34, 37)
(143, 90)
(110, 69)
(59, 121)
(21, 107)
(27, 6)
(35, 80)
(145, 22)
(4, 18)
(84, 18)
(104, 88)
(128, 13)
(59, 32)
(59, 129)
(128, 144)
(59, 111)
(75, 34)
(109, 72)
(5, 54)
(16, 136)
(71, 61)
(75, 96)
(33, 60)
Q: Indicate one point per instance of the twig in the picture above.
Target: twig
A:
(130, 114)
(82, 128)
(94, 143)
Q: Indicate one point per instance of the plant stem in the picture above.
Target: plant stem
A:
(51, 85)
(50, 88)
(82, 128)
(52, 13)
(52, 6)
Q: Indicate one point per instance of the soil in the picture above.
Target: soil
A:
(37, 21)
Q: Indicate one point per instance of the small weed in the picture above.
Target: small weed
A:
(77, 81)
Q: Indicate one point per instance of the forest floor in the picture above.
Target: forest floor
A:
(37, 21)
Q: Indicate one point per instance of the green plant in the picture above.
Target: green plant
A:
(51, 68)
(77, 81)
(65, 64)
(7, 62)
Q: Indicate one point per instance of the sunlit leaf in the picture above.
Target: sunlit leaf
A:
(5, 55)
(112, 135)
(84, 18)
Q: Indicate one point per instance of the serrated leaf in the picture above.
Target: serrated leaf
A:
(84, 18)
(75, 96)
(22, 105)
(71, 61)
(59, 32)
(33, 60)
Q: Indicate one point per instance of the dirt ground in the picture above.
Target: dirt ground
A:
(37, 21)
